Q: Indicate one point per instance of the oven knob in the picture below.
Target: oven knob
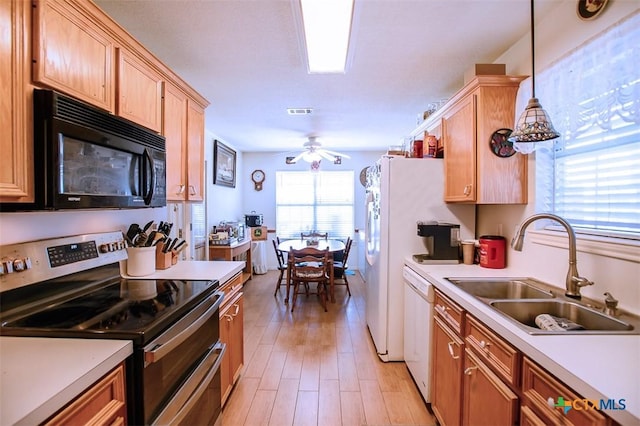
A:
(19, 265)
(104, 248)
(7, 266)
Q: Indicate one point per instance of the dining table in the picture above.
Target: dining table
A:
(298, 244)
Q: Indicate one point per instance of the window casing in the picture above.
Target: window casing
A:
(315, 201)
(591, 175)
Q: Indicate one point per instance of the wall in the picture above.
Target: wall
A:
(263, 202)
(29, 226)
(558, 33)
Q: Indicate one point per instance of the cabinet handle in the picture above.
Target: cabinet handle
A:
(192, 190)
(485, 345)
(181, 190)
(551, 403)
(237, 309)
(450, 346)
(228, 317)
(468, 371)
(467, 189)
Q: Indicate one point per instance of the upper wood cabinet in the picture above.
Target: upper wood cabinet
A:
(139, 91)
(72, 53)
(464, 125)
(16, 161)
(474, 174)
(183, 127)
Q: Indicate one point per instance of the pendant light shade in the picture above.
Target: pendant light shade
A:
(534, 124)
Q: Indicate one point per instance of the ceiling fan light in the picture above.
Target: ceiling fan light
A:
(311, 156)
(534, 125)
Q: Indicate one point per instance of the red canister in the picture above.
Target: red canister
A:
(492, 251)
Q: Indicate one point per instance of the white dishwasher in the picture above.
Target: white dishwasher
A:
(418, 320)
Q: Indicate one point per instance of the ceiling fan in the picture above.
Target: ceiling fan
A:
(313, 151)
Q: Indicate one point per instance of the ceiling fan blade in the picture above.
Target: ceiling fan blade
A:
(337, 154)
(297, 157)
(325, 154)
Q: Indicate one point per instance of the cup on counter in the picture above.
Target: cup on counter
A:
(468, 251)
(141, 261)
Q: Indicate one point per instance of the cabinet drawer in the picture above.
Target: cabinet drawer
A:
(541, 392)
(494, 351)
(230, 288)
(102, 404)
(449, 311)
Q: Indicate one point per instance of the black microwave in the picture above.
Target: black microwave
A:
(87, 158)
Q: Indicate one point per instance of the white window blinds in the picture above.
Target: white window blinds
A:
(321, 201)
(591, 174)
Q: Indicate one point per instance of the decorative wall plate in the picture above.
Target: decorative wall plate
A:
(589, 9)
(500, 144)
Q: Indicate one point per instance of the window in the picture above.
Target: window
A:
(591, 175)
(321, 201)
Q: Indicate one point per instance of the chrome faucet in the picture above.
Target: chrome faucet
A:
(574, 280)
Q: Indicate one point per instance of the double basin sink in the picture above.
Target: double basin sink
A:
(521, 300)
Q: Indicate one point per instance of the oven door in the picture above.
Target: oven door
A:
(198, 400)
(180, 367)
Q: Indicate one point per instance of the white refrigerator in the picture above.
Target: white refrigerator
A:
(400, 193)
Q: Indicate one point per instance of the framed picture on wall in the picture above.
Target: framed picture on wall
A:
(224, 165)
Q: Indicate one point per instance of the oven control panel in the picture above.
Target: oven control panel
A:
(36, 261)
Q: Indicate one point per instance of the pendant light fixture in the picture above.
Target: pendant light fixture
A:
(534, 124)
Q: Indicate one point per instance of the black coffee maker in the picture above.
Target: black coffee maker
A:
(441, 240)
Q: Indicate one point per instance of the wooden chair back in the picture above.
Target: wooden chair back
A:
(313, 235)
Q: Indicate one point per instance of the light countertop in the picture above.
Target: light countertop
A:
(41, 375)
(192, 270)
(595, 366)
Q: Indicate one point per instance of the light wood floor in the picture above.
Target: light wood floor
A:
(312, 367)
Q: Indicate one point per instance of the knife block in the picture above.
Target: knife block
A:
(164, 260)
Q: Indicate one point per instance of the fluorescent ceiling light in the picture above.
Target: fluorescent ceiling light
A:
(327, 26)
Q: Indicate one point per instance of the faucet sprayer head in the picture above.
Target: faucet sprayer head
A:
(517, 241)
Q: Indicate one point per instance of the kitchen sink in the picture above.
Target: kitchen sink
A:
(523, 299)
(507, 288)
(594, 322)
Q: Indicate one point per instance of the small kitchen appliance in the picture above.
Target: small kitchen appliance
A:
(252, 220)
(441, 240)
(492, 251)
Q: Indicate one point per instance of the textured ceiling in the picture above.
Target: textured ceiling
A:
(246, 58)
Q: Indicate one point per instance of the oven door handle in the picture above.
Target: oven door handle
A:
(169, 341)
(192, 389)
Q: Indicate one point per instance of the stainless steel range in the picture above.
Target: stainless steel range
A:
(71, 287)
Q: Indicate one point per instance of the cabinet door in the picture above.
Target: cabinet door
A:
(236, 357)
(459, 138)
(487, 400)
(16, 165)
(195, 152)
(175, 131)
(72, 54)
(225, 366)
(139, 91)
(446, 374)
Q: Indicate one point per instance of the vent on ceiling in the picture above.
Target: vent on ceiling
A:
(299, 111)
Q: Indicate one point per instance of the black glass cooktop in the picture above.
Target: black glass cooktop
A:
(118, 309)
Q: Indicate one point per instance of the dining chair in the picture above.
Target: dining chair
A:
(313, 235)
(282, 266)
(340, 265)
(309, 265)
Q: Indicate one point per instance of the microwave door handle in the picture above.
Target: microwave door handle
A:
(152, 177)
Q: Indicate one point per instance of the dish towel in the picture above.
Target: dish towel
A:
(551, 323)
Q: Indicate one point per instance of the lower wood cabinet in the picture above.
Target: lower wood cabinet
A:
(446, 374)
(232, 334)
(478, 378)
(102, 404)
(487, 400)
